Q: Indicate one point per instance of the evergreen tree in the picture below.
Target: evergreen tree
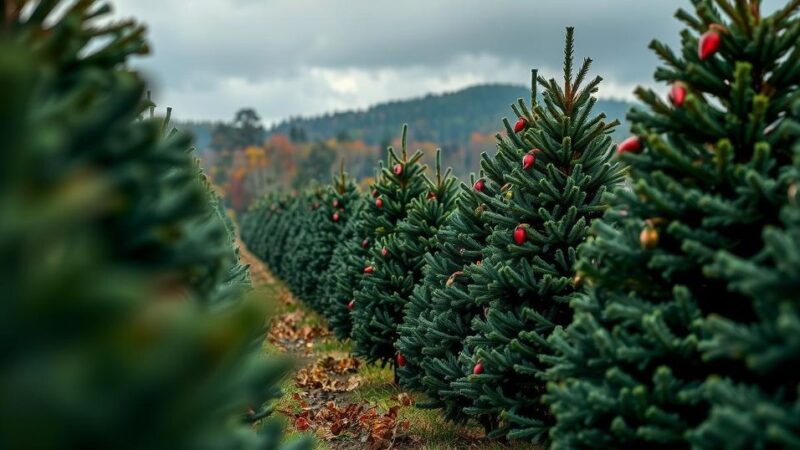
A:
(460, 243)
(344, 272)
(321, 234)
(377, 309)
(302, 226)
(763, 415)
(122, 325)
(287, 227)
(409, 298)
(526, 276)
(268, 219)
(671, 338)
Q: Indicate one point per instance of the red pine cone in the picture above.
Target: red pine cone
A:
(631, 145)
(398, 169)
(335, 217)
(351, 305)
(369, 269)
(478, 369)
(365, 243)
(379, 202)
(521, 124)
(375, 193)
(677, 94)
(336, 203)
(479, 185)
(520, 235)
(401, 360)
(431, 195)
(708, 45)
(384, 252)
(528, 160)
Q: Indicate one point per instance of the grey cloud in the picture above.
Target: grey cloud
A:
(207, 50)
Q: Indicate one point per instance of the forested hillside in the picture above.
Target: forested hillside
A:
(445, 119)
(448, 120)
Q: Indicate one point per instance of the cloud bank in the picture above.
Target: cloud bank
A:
(305, 57)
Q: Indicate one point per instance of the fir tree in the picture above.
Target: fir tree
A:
(408, 301)
(322, 232)
(123, 326)
(287, 228)
(461, 243)
(305, 225)
(267, 217)
(443, 307)
(658, 354)
(527, 274)
(377, 309)
(344, 272)
(765, 414)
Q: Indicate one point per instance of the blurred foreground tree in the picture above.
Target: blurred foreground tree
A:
(122, 316)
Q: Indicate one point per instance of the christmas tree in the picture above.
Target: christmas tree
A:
(377, 309)
(526, 277)
(260, 225)
(406, 299)
(765, 414)
(461, 243)
(287, 227)
(445, 309)
(344, 271)
(305, 225)
(320, 235)
(123, 326)
(675, 335)
(349, 263)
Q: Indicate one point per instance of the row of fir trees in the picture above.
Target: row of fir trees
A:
(124, 313)
(578, 293)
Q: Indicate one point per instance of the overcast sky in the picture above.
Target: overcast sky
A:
(305, 57)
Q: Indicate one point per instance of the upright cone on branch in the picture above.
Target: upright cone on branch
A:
(708, 45)
(398, 169)
(649, 238)
(677, 94)
(521, 124)
(520, 234)
(631, 145)
(528, 160)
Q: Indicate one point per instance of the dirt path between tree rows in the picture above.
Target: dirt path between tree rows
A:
(345, 403)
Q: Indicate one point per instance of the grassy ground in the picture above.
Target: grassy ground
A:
(426, 429)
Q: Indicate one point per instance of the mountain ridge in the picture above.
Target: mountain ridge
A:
(447, 119)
